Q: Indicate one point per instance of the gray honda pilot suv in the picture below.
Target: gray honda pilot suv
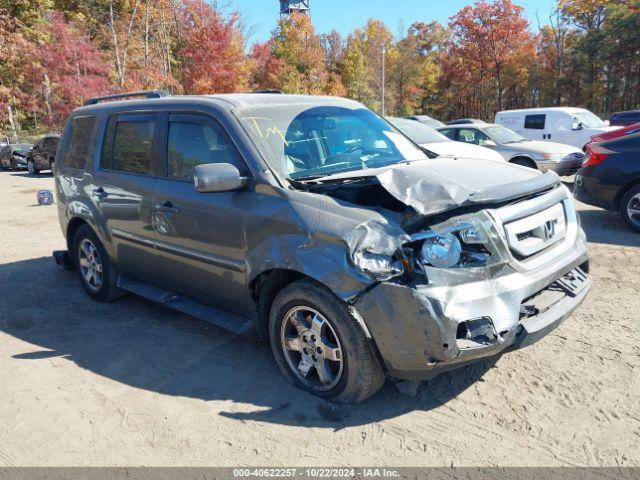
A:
(315, 224)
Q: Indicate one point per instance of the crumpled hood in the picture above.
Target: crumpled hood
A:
(441, 184)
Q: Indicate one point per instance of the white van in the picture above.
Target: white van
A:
(573, 126)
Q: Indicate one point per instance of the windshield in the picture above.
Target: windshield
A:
(588, 119)
(22, 147)
(299, 141)
(418, 132)
(503, 135)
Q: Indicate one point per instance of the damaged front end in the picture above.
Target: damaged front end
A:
(477, 275)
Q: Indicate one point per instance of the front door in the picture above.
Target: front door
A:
(123, 188)
(200, 236)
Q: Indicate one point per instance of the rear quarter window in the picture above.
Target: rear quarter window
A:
(80, 141)
(535, 122)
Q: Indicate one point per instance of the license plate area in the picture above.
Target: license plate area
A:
(573, 283)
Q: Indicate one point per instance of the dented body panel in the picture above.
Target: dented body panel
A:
(360, 233)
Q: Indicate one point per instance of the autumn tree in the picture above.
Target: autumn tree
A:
(492, 38)
(73, 69)
(212, 51)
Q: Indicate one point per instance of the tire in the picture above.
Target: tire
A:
(340, 348)
(631, 201)
(31, 166)
(13, 165)
(87, 252)
(524, 162)
(52, 166)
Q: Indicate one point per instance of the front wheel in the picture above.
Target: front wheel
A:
(319, 347)
(630, 208)
(31, 166)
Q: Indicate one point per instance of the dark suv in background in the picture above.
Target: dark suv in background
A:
(43, 155)
(314, 223)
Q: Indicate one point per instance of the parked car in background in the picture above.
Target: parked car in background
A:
(610, 177)
(43, 155)
(620, 132)
(437, 143)
(571, 126)
(463, 121)
(427, 120)
(562, 159)
(315, 224)
(14, 156)
(625, 118)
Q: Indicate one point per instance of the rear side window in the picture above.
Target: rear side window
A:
(196, 143)
(80, 143)
(535, 122)
(128, 144)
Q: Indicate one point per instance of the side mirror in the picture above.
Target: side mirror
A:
(576, 126)
(218, 177)
(488, 143)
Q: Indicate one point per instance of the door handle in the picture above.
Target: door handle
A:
(168, 207)
(100, 192)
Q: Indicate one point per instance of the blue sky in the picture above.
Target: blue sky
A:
(345, 15)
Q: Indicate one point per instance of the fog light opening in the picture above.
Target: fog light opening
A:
(476, 333)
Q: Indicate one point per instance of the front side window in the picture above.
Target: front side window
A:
(535, 122)
(80, 142)
(128, 144)
(504, 135)
(195, 143)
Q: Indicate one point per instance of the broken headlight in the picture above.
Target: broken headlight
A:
(468, 241)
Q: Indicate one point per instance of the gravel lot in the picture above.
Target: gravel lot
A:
(132, 383)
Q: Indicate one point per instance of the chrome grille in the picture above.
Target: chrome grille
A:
(532, 234)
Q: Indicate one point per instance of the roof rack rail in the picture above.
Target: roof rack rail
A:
(145, 94)
(269, 90)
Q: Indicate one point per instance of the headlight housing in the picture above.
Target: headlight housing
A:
(469, 241)
(553, 156)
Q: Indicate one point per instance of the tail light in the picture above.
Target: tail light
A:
(595, 155)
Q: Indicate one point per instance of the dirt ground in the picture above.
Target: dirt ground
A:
(133, 383)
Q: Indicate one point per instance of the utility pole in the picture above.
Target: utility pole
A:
(384, 50)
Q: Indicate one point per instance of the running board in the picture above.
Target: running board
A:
(234, 323)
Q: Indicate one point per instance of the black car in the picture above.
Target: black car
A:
(14, 156)
(610, 177)
(625, 118)
(464, 121)
(43, 155)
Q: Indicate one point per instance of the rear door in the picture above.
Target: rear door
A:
(200, 236)
(123, 188)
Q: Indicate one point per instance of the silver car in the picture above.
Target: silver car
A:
(562, 159)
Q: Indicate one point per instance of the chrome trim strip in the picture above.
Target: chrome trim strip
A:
(202, 256)
(147, 242)
(181, 251)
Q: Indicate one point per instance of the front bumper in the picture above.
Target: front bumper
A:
(563, 168)
(421, 330)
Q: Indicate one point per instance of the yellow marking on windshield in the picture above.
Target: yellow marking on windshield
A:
(273, 130)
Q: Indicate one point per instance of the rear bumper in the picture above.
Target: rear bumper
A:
(591, 191)
(419, 330)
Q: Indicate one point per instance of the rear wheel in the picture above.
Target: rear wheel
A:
(319, 347)
(97, 275)
(630, 207)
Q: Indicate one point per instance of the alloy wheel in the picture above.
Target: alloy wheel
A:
(312, 348)
(30, 167)
(90, 264)
(633, 210)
